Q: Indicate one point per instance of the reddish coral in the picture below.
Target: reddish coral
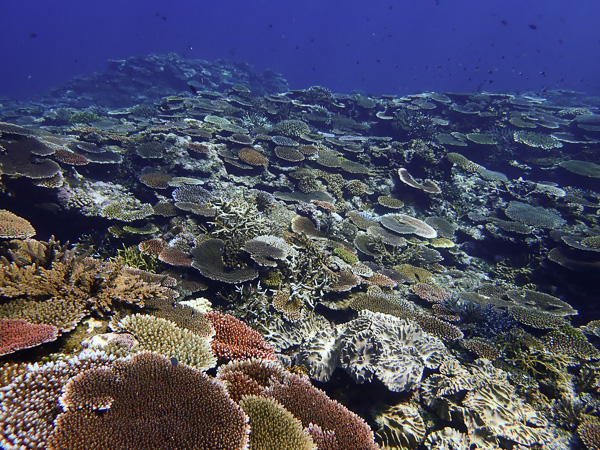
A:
(379, 279)
(71, 158)
(175, 257)
(196, 147)
(147, 402)
(327, 206)
(312, 406)
(430, 293)
(236, 340)
(18, 334)
(151, 246)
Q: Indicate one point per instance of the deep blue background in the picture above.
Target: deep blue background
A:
(392, 46)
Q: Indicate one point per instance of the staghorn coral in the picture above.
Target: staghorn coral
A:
(18, 334)
(136, 258)
(171, 403)
(235, 340)
(14, 227)
(272, 427)
(62, 294)
(166, 338)
(28, 404)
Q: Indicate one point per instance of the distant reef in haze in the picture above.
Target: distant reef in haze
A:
(142, 79)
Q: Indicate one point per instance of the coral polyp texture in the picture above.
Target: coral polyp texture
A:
(173, 403)
(182, 268)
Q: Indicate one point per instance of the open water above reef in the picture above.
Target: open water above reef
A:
(428, 261)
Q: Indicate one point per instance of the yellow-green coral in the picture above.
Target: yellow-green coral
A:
(133, 257)
(164, 337)
(345, 255)
(271, 279)
(462, 162)
(272, 427)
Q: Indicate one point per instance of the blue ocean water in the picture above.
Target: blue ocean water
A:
(377, 47)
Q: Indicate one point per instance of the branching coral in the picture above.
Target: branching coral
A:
(74, 285)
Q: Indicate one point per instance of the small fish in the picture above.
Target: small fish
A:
(174, 361)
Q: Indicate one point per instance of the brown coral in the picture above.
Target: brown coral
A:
(148, 402)
(250, 377)
(289, 154)
(430, 293)
(13, 226)
(344, 281)
(70, 158)
(273, 427)
(156, 180)
(312, 406)
(60, 295)
(175, 257)
(481, 349)
(18, 334)
(252, 157)
(235, 340)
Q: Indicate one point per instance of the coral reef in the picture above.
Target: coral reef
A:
(407, 252)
